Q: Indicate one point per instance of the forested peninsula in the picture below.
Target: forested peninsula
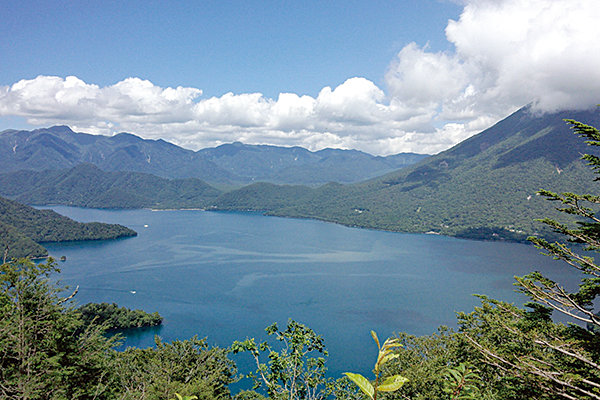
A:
(111, 316)
(24, 228)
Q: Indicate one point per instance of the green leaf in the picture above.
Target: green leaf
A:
(391, 343)
(389, 357)
(362, 382)
(376, 339)
(392, 383)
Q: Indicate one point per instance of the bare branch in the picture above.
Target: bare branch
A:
(70, 297)
(532, 369)
(558, 299)
(568, 353)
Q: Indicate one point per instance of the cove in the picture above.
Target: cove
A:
(226, 276)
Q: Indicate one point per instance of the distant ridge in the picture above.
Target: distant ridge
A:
(229, 165)
(298, 166)
(59, 147)
(482, 188)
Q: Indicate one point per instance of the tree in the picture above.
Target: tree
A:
(552, 360)
(423, 360)
(291, 373)
(45, 349)
(188, 368)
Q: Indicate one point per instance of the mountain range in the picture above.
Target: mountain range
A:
(482, 188)
(226, 166)
(58, 166)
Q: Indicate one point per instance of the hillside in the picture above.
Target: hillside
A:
(23, 228)
(226, 166)
(482, 188)
(298, 166)
(88, 186)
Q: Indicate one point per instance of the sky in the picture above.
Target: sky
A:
(379, 76)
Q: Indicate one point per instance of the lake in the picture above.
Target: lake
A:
(226, 276)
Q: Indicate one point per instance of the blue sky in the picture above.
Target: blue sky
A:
(379, 76)
(217, 46)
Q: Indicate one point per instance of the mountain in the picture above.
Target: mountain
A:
(229, 165)
(23, 228)
(482, 188)
(59, 147)
(298, 166)
(86, 185)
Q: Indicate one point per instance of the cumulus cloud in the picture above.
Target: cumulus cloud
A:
(50, 99)
(507, 53)
(355, 114)
(543, 49)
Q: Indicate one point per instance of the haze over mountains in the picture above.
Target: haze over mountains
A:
(228, 165)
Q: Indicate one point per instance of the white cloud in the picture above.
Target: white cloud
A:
(356, 101)
(351, 115)
(507, 53)
(49, 99)
(422, 78)
(291, 112)
(515, 52)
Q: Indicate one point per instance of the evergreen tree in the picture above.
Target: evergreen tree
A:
(529, 353)
(46, 352)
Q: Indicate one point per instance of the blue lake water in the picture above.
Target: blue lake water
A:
(226, 276)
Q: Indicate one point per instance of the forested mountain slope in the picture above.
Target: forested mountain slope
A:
(229, 165)
(22, 228)
(88, 186)
(482, 188)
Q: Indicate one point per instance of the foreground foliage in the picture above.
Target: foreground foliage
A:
(291, 373)
(46, 351)
(188, 368)
(389, 384)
